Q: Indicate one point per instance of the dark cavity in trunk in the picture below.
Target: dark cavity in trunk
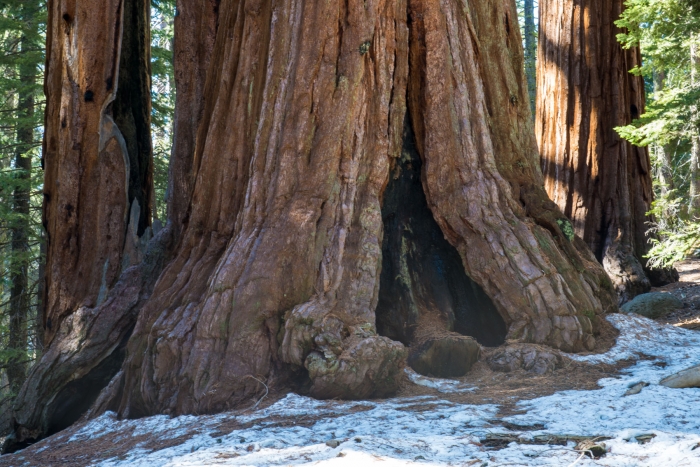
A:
(423, 282)
(79, 395)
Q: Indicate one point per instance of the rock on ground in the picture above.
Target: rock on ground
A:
(652, 305)
(688, 378)
(445, 357)
(530, 357)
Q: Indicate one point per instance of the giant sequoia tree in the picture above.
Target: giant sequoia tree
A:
(599, 180)
(340, 168)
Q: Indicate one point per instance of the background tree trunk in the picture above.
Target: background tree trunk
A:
(88, 349)
(195, 31)
(96, 206)
(601, 182)
(695, 139)
(641, 185)
(92, 180)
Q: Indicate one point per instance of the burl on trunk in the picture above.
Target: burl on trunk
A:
(358, 165)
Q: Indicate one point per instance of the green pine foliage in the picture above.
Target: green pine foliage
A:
(665, 30)
(528, 11)
(163, 97)
(22, 39)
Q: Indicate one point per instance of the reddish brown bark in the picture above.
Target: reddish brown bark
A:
(93, 170)
(195, 31)
(523, 244)
(97, 160)
(308, 108)
(282, 249)
(601, 182)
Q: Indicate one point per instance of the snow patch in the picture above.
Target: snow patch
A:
(430, 431)
(439, 384)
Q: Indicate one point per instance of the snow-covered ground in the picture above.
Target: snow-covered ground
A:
(431, 431)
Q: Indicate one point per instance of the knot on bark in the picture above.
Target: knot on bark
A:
(367, 367)
(347, 361)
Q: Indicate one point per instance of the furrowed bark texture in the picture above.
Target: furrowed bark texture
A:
(132, 112)
(303, 120)
(195, 31)
(600, 181)
(482, 177)
(307, 109)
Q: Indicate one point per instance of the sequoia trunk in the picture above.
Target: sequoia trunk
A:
(304, 119)
(600, 181)
(97, 182)
(195, 31)
(95, 173)
(314, 116)
(88, 347)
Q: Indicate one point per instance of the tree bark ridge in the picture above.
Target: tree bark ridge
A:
(93, 294)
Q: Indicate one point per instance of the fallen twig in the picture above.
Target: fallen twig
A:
(577, 460)
(267, 391)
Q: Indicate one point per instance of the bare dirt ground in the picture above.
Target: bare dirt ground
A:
(504, 389)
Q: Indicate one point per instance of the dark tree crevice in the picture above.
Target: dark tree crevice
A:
(422, 277)
(73, 400)
(132, 106)
(78, 396)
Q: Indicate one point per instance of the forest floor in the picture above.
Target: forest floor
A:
(484, 419)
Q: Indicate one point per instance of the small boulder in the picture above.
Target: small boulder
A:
(645, 438)
(688, 378)
(530, 357)
(652, 305)
(444, 357)
(367, 367)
